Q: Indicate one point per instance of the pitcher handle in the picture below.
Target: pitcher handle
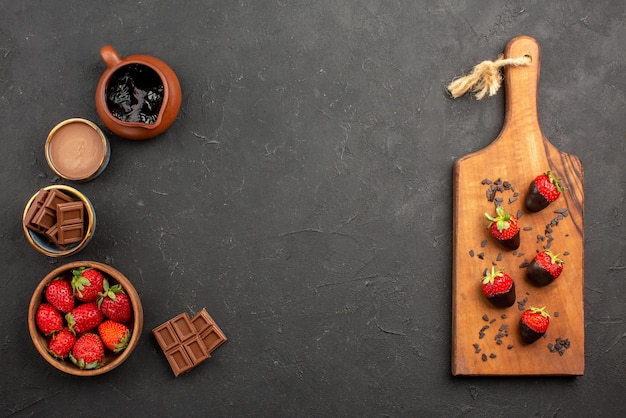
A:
(109, 56)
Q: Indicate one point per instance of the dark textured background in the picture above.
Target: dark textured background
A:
(303, 197)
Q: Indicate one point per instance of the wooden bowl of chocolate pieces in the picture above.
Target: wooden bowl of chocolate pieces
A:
(58, 221)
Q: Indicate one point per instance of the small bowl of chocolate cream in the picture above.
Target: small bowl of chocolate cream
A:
(77, 149)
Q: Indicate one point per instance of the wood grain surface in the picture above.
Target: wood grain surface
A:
(517, 155)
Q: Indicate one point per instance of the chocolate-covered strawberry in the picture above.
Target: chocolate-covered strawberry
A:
(544, 268)
(84, 318)
(534, 324)
(87, 284)
(543, 190)
(504, 228)
(499, 288)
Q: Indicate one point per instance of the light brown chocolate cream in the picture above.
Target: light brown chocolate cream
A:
(76, 150)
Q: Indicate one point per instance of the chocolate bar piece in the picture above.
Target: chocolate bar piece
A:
(32, 211)
(184, 341)
(69, 234)
(55, 197)
(182, 327)
(45, 218)
(53, 236)
(179, 360)
(70, 213)
(209, 332)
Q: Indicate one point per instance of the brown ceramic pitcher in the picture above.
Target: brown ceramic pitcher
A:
(137, 97)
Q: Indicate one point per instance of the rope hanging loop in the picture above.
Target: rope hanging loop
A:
(485, 78)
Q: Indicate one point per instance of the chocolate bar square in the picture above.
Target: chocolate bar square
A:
(183, 327)
(70, 213)
(35, 206)
(55, 197)
(69, 234)
(165, 336)
(179, 360)
(45, 218)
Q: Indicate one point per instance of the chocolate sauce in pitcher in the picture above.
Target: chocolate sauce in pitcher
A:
(135, 94)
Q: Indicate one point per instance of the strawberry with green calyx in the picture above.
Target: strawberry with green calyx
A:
(84, 318)
(545, 268)
(61, 343)
(534, 324)
(504, 228)
(48, 319)
(59, 293)
(499, 288)
(114, 303)
(543, 190)
(87, 284)
(88, 352)
(114, 335)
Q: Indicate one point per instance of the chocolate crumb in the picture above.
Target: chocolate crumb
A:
(524, 264)
(481, 256)
(512, 199)
(492, 321)
(471, 253)
(485, 318)
(499, 342)
(483, 243)
(484, 357)
(528, 228)
(486, 181)
(566, 253)
(519, 213)
(499, 257)
(556, 314)
(492, 355)
(510, 346)
(521, 304)
(503, 316)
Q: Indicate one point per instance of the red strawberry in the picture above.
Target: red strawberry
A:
(114, 335)
(59, 294)
(88, 352)
(504, 228)
(499, 288)
(48, 319)
(61, 343)
(84, 318)
(87, 283)
(545, 268)
(543, 190)
(534, 324)
(114, 303)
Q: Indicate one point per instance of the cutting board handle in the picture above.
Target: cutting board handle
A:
(521, 83)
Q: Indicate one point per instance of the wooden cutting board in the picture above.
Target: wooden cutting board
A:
(515, 158)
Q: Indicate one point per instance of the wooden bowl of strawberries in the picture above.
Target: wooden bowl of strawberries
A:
(85, 318)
